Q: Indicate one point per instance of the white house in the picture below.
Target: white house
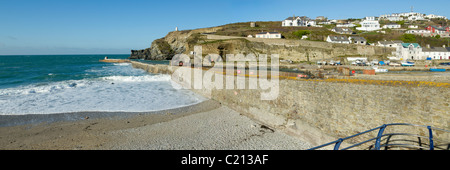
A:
(391, 26)
(413, 26)
(416, 18)
(357, 40)
(411, 51)
(341, 39)
(297, 21)
(432, 16)
(290, 21)
(369, 24)
(418, 32)
(394, 18)
(341, 30)
(268, 35)
(407, 14)
(391, 44)
(391, 17)
(436, 53)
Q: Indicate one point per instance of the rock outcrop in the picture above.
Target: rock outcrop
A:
(175, 42)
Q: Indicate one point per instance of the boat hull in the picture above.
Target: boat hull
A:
(407, 64)
(437, 70)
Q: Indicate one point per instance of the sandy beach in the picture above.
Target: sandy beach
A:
(207, 125)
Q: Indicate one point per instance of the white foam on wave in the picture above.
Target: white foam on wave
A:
(146, 78)
(121, 64)
(112, 93)
(42, 88)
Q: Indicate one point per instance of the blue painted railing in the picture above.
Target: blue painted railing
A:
(384, 140)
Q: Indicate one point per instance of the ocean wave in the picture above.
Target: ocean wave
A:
(121, 64)
(145, 78)
(112, 93)
(43, 87)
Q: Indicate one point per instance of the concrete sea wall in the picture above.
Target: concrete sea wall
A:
(322, 111)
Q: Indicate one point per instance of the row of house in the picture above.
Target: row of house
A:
(342, 39)
(438, 29)
(431, 31)
(267, 35)
(413, 51)
(410, 16)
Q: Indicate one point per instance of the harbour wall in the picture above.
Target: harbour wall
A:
(322, 111)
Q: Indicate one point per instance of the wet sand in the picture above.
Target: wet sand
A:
(207, 125)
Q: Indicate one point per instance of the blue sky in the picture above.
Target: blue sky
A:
(117, 26)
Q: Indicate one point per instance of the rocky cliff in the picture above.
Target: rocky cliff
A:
(175, 42)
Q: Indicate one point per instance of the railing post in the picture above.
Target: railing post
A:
(380, 133)
(336, 147)
(431, 138)
(387, 142)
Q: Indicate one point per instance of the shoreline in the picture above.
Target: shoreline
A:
(35, 130)
(33, 119)
(207, 125)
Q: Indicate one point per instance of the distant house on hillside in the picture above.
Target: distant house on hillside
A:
(438, 29)
(391, 26)
(391, 18)
(341, 39)
(393, 43)
(416, 18)
(342, 30)
(369, 24)
(357, 40)
(420, 32)
(432, 16)
(321, 18)
(297, 21)
(268, 35)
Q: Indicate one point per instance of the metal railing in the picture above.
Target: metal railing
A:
(386, 141)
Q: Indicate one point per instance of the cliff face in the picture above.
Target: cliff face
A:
(175, 42)
(182, 42)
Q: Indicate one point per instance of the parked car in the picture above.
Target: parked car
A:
(445, 64)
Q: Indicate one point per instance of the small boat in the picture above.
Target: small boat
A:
(407, 63)
(393, 64)
(377, 70)
(437, 69)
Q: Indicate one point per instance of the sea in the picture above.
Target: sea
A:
(51, 84)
